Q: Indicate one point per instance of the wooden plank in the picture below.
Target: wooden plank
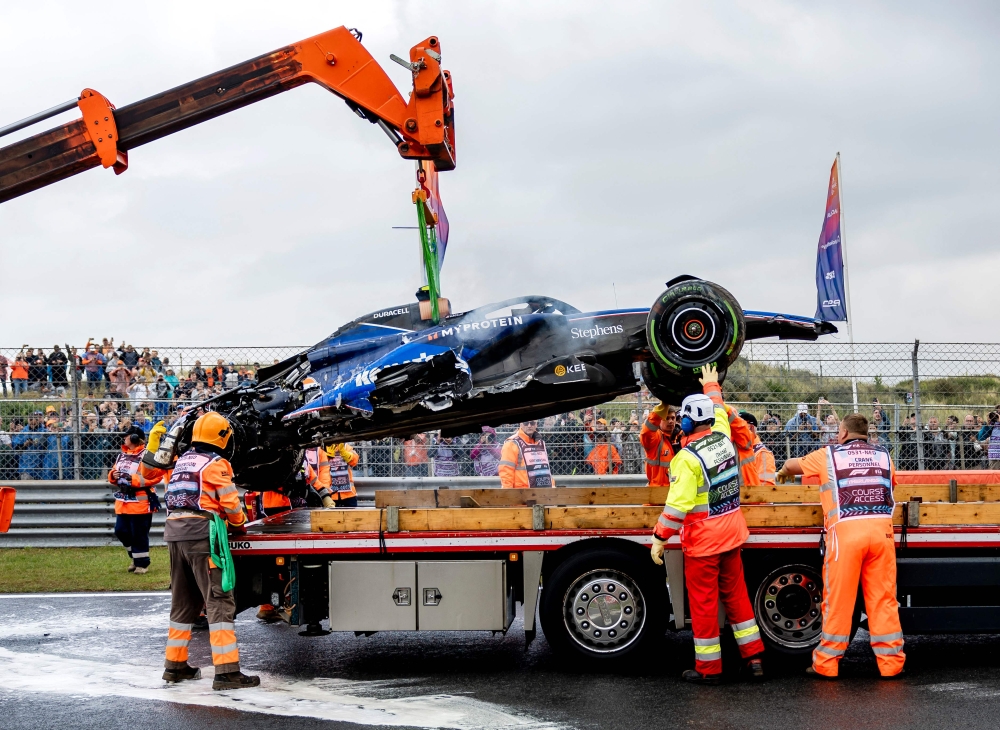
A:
(967, 513)
(469, 519)
(427, 498)
(346, 520)
(798, 494)
(588, 517)
(598, 517)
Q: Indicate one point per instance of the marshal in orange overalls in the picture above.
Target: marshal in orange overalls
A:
(856, 480)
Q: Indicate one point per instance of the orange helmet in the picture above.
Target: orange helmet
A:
(212, 428)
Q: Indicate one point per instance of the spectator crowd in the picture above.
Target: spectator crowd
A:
(122, 386)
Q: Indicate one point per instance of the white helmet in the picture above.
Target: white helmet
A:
(699, 408)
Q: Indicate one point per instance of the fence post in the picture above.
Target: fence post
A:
(77, 417)
(918, 428)
(896, 448)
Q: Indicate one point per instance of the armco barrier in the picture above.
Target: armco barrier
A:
(82, 513)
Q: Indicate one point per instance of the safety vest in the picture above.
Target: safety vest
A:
(859, 483)
(536, 462)
(763, 462)
(993, 449)
(720, 464)
(128, 464)
(184, 489)
(341, 480)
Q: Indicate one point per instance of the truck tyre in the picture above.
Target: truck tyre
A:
(788, 608)
(604, 605)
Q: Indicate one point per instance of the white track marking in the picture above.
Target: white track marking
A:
(364, 703)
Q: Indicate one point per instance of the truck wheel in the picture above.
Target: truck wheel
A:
(603, 605)
(787, 607)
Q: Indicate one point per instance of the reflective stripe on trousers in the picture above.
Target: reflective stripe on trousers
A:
(178, 638)
(746, 631)
(222, 637)
(707, 649)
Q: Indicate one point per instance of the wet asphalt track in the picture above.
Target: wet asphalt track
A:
(94, 662)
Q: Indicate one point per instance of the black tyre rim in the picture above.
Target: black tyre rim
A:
(788, 607)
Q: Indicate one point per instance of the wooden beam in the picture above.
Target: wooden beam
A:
(427, 498)
(556, 518)
(797, 493)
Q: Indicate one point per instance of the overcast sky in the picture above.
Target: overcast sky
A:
(603, 149)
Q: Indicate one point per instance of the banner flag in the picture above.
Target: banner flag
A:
(831, 302)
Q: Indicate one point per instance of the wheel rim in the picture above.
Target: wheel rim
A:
(604, 611)
(788, 606)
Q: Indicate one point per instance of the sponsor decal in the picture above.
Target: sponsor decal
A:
(239, 545)
(596, 331)
(391, 312)
(469, 326)
(562, 370)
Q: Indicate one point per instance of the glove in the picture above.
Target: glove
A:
(661, 410)
(328, 501)
(153, 442)
(656, 552)
(709, 374)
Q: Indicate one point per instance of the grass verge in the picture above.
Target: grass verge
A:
(55, 570)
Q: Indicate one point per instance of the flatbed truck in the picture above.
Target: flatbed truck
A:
(577, 559)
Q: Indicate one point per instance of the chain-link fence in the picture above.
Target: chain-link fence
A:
(931, 404)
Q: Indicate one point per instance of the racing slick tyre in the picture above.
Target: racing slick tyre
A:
(695, 322)
(604, 605)
(670, 388)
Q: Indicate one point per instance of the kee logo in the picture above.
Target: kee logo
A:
(562, 370)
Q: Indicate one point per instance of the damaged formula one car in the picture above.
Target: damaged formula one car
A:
(395, 372)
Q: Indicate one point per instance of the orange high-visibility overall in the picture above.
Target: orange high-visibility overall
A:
(659, 451)
(856, 481)
(763, 462)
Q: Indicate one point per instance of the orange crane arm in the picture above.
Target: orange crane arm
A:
(422, 128)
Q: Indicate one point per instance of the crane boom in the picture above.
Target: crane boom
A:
(421, 128)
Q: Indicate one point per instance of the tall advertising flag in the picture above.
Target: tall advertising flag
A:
(831, 297)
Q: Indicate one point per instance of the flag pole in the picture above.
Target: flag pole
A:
(847, 284)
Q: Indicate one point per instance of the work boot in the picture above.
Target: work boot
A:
(754, 669)
(141, 571)
(179, 675)
(200, 623)
(690, 675)
(234, 680)
(131, 569)
(811, 672)
(269, 615)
